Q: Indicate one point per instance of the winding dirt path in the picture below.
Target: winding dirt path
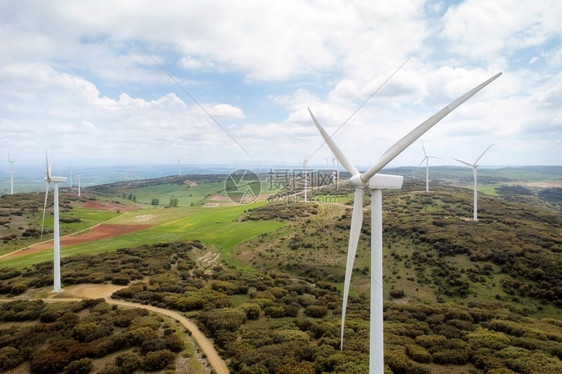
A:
(95, 291)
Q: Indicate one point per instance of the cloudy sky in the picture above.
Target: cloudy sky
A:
(205, 81)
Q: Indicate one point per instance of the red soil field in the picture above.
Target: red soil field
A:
(102, 231)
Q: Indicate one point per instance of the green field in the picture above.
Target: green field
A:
(214, 226)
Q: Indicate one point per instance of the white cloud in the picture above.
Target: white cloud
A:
(76, 75)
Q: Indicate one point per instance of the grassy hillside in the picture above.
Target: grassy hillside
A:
(460, 296)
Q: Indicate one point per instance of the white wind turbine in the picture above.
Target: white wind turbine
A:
(11, 172)
(376, 183)
(475, 176)
(78, 180)
(304, 164)
(426, 159)
(56, 234)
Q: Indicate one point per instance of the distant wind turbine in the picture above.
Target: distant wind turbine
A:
(56, 235)
(376, 183)
(426, 159)
(11, 172)
(78, 180)
(475, 176)
(304, 164)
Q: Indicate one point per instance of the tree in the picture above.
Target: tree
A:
(173, 202)
(155, 201)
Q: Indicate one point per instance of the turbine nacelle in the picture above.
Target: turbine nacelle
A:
(378, 182)
(56, 179)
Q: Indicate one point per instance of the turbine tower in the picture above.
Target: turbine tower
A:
(78, 179)
(426, 159)
(56, 234)
(304, 164)
(475, 176)
(376, 183)
(11, 172)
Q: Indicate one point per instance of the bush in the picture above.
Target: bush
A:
(316, 311)
(223, 319)
(153, 345)
(417, 353)
(451, 356)
(90, 331)
(57, 356)
(128, 362)
(252, 310)
(140, 335)
(174, 343)
(9, 358)
(82, 366)
(274, 311)
(397, 361)
(157, 360)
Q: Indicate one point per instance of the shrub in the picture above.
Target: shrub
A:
(223, 319)
(397, 294)
(10, 357)
(451, 356)
(397, 361)
(274, 311)
(316, 311)
(82, 366)
(57, 356)
(157, 360)
(252, 310)
(139, 335)
(90, 331)
(152, 345)
(188, 303)
(128, 362)
(174, 343)
(417, 353)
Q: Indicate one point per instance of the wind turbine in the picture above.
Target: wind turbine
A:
(376, 183)
(11, 172)
(56, 235)
(304, 164)
(426, 159)
(475, 176)
(78, 179)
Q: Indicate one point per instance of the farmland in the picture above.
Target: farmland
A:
(460, 296)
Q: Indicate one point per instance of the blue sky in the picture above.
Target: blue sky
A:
(77, 78)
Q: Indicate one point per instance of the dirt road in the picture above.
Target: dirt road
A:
(94, 291)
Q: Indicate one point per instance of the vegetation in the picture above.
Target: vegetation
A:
(71, 336)
(460, 296)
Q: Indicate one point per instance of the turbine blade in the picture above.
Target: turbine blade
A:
(421, 162)
(44, 208)
(413, 135)
(463, 162)
(424, 150)
(47, 167)
(478, 159)
(335, 150)
(356, 223)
